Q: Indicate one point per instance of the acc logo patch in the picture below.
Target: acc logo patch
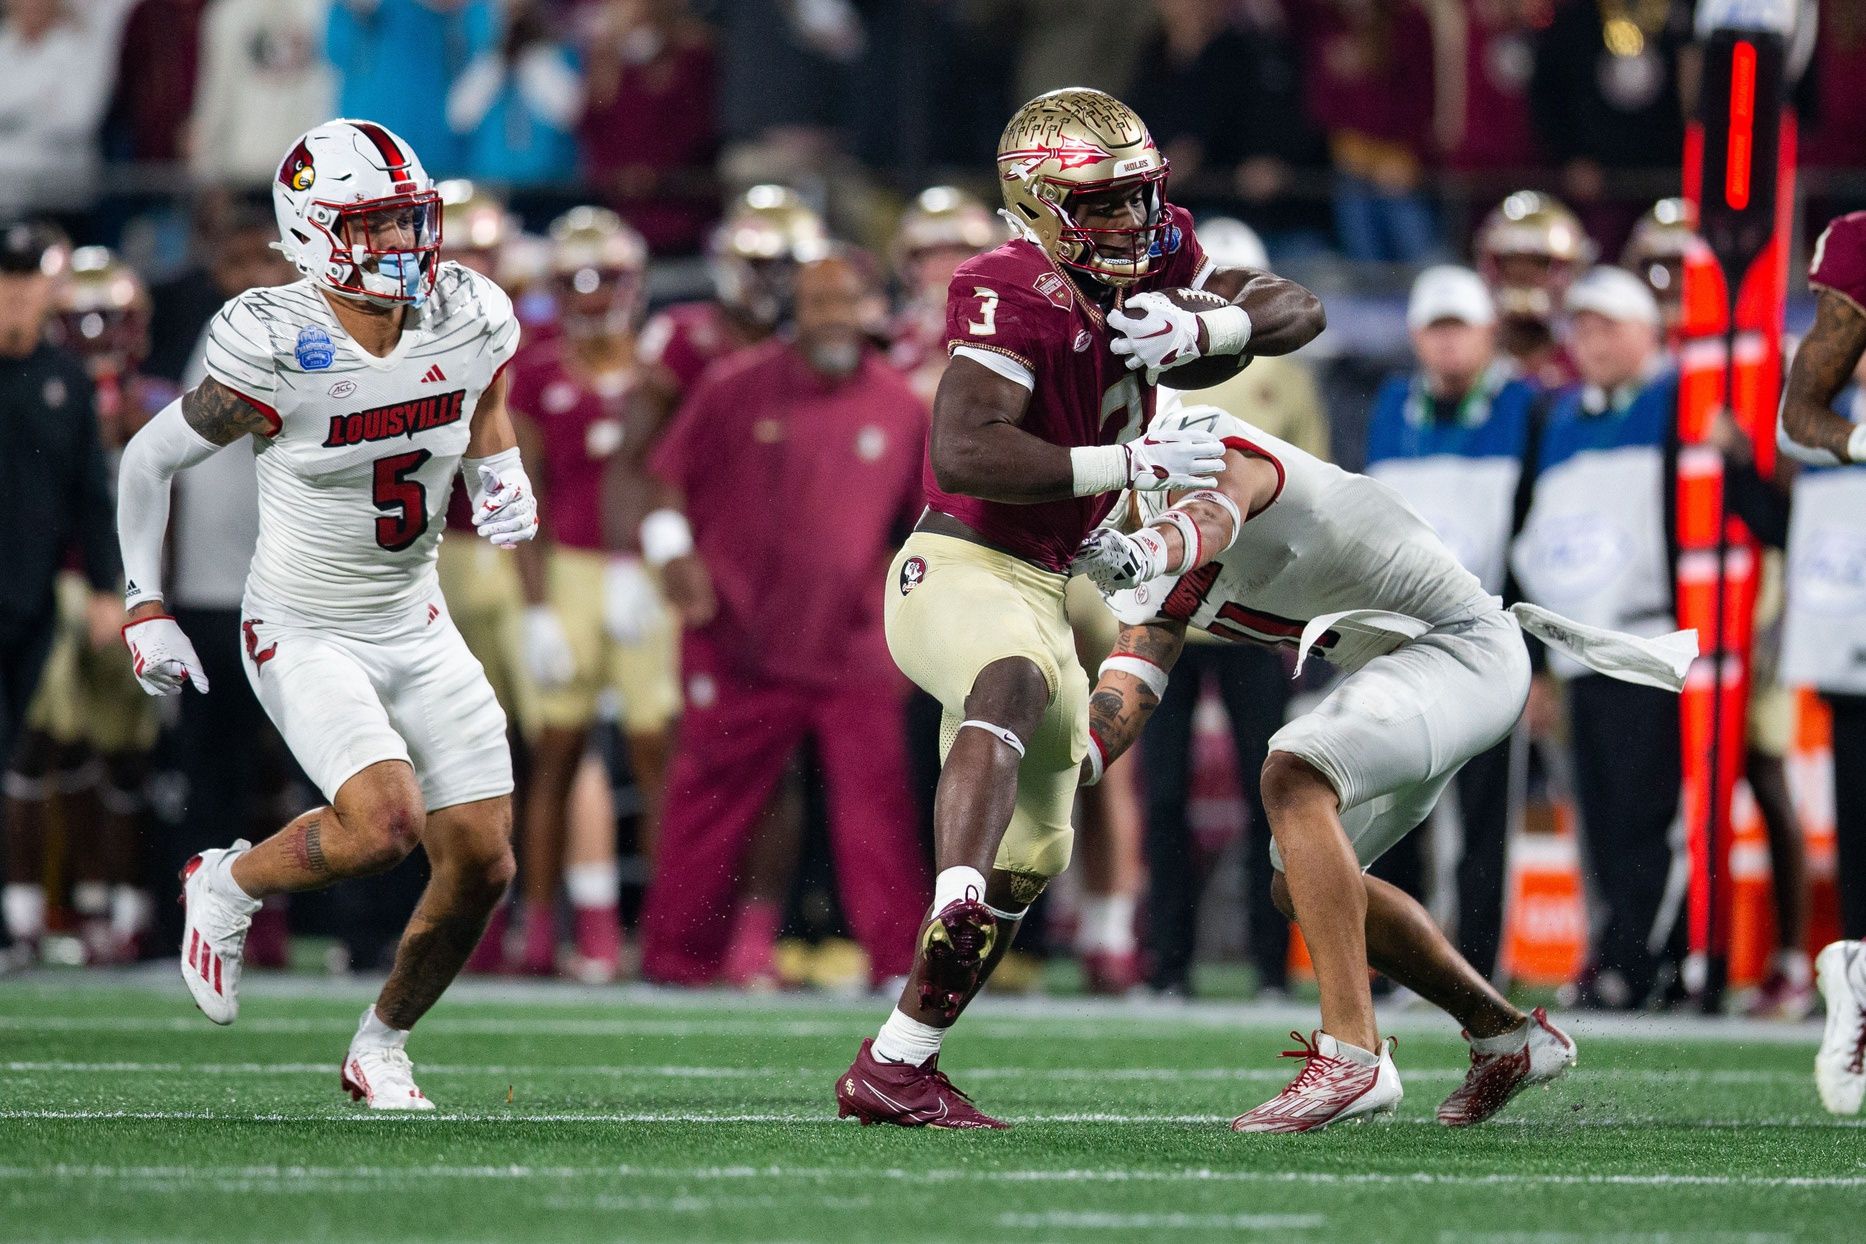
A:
(296, 172)
(913, 570)
(1053, 287)
(343, 388)
(1083, 341)
(315, 352)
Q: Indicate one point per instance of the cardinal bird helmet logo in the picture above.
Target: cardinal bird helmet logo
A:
(296, 172)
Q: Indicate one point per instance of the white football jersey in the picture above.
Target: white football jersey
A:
(1329, 542)
(355, 478)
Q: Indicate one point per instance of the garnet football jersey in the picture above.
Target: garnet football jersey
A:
(355, 476)
(1014, 311)
(579, 420)
(1839, 265)
(687, 338)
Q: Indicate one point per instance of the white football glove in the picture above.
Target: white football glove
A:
(548, 659)
(1154, 334)
(507, 513)
(1116, 561)
(631, 602)
(1174, 458)
(163, 657)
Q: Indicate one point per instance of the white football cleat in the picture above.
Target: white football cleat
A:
(381, 1074)
(213, 935)
(1840, 1066)
(1545, 1055)
(1329, 1089)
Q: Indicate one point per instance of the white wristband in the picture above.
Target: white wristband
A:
(1098, 469)
(1211, 496)
(1149, 674)
(1098, 765)
(1191, 543)
(1227, 330)
(1856, 444)
(665, 535)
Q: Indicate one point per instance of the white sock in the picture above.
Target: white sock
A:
(906, 1040)
(1508, 1043)
(1794, 965)
(222, 879)
(957, 883)
(596, 885)
(1350, 1053)
(91, 898)
(1106, 924)
(130, 910)
(22, 905)
(373, 1031)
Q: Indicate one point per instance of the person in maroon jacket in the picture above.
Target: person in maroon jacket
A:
(796, 463)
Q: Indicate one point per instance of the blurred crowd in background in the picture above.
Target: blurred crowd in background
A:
(715, 220)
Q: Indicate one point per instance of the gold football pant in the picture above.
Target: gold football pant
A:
(953, 608)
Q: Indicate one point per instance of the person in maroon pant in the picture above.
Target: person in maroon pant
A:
(796, 463)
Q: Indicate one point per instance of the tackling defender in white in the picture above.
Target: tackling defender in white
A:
(366, 384)
(1288, 549)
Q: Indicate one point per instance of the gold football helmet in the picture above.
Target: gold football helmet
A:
(475, 227)
(597, 266)
(1074, 142)
(941, 218)
(1530, 249)
(1660, 242)
(756, 248)
(103, 310)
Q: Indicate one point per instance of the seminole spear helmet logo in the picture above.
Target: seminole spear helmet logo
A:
(296, 172)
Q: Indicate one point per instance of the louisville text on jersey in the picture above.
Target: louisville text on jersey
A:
(384, 423)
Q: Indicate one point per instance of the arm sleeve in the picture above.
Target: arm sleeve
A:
(102, 569)
(238, 353)
(165, 445)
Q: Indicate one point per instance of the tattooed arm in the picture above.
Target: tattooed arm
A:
(1823, 366)
(1128, 690)
(220, 416)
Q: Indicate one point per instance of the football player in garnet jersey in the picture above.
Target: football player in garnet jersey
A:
(1811, 431)
(1529, 250)
(1057, 338)
(596, 620)
(366, 385)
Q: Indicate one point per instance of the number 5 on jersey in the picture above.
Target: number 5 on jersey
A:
(403, 501)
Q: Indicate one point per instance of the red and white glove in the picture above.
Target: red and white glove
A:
(1154, 334)
(162, 656)
(548, 659)
(631, 602)
(1174, 458)
(505, 510)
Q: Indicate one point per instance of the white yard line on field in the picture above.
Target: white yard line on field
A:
(179, 1177)
(1077, 1220)
(673, 1071)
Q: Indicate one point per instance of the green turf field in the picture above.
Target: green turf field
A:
(571, 1115)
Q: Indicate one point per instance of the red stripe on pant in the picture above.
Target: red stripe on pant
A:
(728, 758)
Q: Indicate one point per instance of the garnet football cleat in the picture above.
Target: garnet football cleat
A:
(953, 949)
(875, 1090)
(1329, 1089)
(1840, 1065)
(1493, 1079)
(213, 935)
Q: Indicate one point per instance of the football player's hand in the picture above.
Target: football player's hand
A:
(690, 591)
(1116, 561)
(548, 659)
(631, 602)
(1174, 458)
(103, 619)
(507, 513)
(162, 657)
(1154, 334)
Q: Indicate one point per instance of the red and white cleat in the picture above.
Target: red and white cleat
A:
(1545, 1056)
(953, 949)
(381, 1075)
(598, 960)
(213, 935)
(1840, 1065)
(877, 1091)
(1330, 1088)
(1110, 973)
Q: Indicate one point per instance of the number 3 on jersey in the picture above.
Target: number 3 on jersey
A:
(403, 501)
(987, 322)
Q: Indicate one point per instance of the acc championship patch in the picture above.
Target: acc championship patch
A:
(315, 352)
(913, 570)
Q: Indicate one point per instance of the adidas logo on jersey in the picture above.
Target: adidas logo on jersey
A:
(383, 423)
(434, 375)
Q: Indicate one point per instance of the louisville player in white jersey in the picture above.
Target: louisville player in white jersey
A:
(1288, 549)
(366, 385)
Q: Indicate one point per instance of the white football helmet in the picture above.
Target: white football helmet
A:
(358, 214)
